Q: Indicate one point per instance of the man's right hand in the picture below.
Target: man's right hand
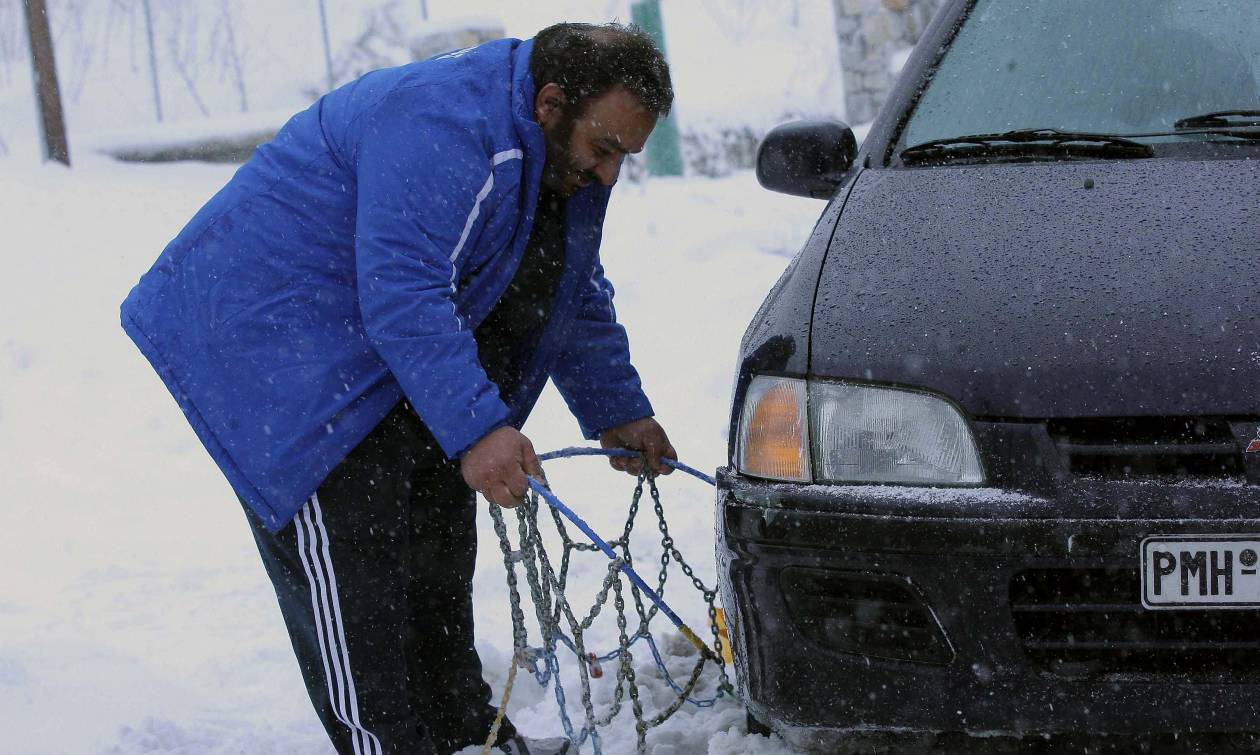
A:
(497, 464)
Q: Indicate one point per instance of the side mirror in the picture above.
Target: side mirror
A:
(806, 158)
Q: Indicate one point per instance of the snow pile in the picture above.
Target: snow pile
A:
(135, 615)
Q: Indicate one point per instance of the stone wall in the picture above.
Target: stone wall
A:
(869, 33)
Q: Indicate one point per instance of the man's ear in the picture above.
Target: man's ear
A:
(549, 104)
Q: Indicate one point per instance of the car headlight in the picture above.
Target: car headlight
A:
(800, 431)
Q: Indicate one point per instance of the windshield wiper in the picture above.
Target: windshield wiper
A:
(1222, 118)
(1038, 142)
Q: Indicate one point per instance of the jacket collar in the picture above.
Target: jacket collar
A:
(527, 129)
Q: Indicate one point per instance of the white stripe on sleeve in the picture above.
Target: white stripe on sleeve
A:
(498, 159)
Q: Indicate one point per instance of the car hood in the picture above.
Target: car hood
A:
(1050, 289)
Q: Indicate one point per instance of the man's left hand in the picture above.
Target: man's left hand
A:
(643, 435)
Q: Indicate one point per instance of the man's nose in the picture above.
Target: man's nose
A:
(608, 169)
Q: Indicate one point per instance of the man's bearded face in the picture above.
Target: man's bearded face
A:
(588, 145)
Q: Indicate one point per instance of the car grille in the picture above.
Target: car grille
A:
(1090, 622)
(1168, 448)
(879, 616)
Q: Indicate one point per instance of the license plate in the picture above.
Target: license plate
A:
(1200, 571)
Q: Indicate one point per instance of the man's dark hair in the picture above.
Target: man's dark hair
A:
(588, 60)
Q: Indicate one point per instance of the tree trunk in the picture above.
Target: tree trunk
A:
(234, 56)
(47, 91)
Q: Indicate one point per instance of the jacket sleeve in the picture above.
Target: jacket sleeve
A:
(422, 176)
(593, 371)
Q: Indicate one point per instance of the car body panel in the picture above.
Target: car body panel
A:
(777, 339)
(1117, 288)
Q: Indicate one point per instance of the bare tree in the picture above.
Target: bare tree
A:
(73, 35)
(383, 38)
(184, 49)
(11, 46)
(224, 40)
(381, 43)
(113, 11)
(153, 66)
(328, 63)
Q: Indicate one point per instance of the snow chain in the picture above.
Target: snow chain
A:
(555, 615)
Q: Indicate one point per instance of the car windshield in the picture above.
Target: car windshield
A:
(1114, 67)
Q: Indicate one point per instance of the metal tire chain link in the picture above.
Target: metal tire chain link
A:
(545, 586)
(710, 596)
(551, 628)
(542, 590)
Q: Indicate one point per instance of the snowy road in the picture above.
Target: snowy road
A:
(134, 613)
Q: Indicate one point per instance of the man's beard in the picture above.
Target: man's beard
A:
(560, 165)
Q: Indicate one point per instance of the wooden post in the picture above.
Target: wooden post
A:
(47, 92)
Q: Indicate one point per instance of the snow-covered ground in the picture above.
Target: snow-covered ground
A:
(135, 616)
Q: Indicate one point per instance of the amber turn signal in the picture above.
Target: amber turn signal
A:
(773, 434)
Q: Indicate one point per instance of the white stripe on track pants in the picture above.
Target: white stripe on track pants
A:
(374, 580)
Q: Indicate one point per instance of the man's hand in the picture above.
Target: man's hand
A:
(643, 435)
(497, 464)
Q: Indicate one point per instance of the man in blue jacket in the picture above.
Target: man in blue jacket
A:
(358, 324)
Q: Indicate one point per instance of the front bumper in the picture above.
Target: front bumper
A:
(967, 556)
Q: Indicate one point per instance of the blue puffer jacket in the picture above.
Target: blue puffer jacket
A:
(347, 264)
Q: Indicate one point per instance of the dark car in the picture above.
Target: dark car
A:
(994, 460)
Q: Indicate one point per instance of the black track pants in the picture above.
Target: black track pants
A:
(374, 578)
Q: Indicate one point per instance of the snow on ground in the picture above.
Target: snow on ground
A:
(135, 616)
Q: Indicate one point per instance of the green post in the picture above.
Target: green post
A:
(664, 158)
